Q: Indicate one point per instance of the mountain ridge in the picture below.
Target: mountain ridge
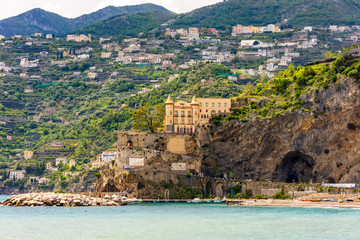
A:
(38, 19)
(297, 13)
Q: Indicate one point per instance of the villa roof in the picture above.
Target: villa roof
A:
(169, 100)
(194, 100)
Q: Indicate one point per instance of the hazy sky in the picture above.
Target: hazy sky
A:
(75, 8)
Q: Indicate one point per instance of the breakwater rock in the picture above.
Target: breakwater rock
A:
(57, 199)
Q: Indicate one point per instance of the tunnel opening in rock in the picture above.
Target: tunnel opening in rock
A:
(295, 167)
(109, 187)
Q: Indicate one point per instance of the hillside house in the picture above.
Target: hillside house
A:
(193, 34)
(23, 75)
(92, 75)
(107, 156)
(79, 38)
(28, 154)
(72, 163)
(105, 54)
(17, 174)
(63, 160)
(48, 165)
(44, 181)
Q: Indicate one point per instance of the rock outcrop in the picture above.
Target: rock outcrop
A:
(322, 145)
(57, 199)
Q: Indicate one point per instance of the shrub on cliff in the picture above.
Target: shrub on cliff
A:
(281, 195)
(248, 193)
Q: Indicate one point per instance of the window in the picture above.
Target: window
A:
(189, 113)
(182, 113)
(200, 104)
(213, 104)
(219, 104)
(225, 104)
(176, 121)
(189, 121)
(206, 104)
(170, 113)
(182, 122)
(176, 113)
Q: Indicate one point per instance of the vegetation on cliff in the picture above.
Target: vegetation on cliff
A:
(296, 88)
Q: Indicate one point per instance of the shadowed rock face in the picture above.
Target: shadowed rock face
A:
(297, 146)
(295, 167)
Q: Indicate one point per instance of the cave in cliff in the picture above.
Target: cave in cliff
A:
(295, 167)
(109, 187)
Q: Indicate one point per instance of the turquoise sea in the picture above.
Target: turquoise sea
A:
(178, 221)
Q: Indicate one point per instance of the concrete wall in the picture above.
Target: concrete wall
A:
(124, 154)
(176, 144)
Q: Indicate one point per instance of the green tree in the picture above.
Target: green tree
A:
(149, 118)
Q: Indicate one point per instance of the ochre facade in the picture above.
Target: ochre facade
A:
(184, 118)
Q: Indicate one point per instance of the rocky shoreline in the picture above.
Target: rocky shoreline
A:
(57, 200)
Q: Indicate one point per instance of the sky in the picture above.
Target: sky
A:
(75, 8)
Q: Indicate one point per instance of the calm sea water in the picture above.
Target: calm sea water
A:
(178, 221)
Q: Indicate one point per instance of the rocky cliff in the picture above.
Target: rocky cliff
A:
(320, 145)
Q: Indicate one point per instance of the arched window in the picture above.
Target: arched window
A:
(182, 113)
(176, 113)
(213, 112)
(178, 130)
(189, 113)
(170, 113)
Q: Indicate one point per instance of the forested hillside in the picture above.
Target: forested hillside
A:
(127, 25)
(296, 13)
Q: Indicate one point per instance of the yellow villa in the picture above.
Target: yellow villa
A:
(184, 118)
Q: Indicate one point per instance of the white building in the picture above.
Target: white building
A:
(49, 36)
(105, 54)
(17, 174)
(63, 160)
(108, 156)
(44, 180)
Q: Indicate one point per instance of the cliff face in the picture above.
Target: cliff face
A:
(298, 146)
